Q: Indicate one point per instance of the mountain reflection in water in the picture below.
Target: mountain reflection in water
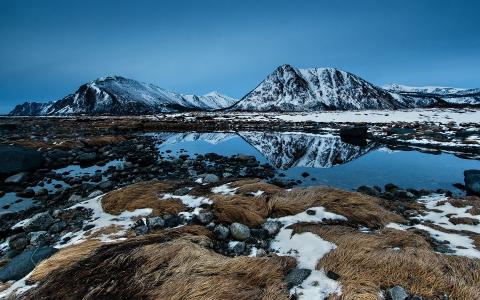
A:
(326, 158)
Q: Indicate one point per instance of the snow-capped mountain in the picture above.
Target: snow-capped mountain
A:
(443, 95)
(287, 150)
(121, 96)
(293, 89)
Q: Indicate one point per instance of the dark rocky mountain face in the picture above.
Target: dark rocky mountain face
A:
(30, 109)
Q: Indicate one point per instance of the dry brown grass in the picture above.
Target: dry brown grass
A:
(103, 140)
(142, 195)
(251, 211)
(467, 201)
(358, 208)
(366, 262)
(247, 186)
(173, 264)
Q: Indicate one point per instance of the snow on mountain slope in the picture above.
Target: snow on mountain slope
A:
(210, 101)
(121, 96)
(293, 89)
(449, 95)
(303, 150)
(31, 109)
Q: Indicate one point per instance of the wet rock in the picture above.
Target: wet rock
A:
(17, 178)
(155, 222)
(41, 192)
(397, 293)
(15, 159)
(367, 190)
(239, 231)
(18, 242)
(182, 191)
(221, 232)
(403, 194)
(237, 247)
(39, 222)
(272, 227)
(87, 157)
(305, 174)
(24, 263)
(204, 217)
(472, 182)
(57, 227)
(106, 185)
(311, 212)
(390, 187)
(210, 178)
(296, 277)
(26, 193)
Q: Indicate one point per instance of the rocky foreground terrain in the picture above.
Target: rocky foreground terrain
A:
(135, 222)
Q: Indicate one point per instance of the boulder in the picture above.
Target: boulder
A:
(15, 159)
(367, 190)
(210, 178)
(18, 241)
(296, 277)
(239, 231)
(87, 157)
(17, 178)
(24, 263)
(472, 182)
(397, 293)
(204, 217)
(272, 227)
(221, 232)
(39, 222)
(237, 247)
(155, 222)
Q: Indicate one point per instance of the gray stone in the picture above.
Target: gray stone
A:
(38, 238)
(296, 277)
(17, 178)
(39, 222)
(106, 185)
(95, 194)
(472, 182)
(57, 227)
(221, 232)
(204, 217)
(210, 178)
(18, 242)
(41, 192)
(368, 190)
(239, 231)
(24, 263)
(237, 247)
(155, 222)
(15, 159)
(75, 199)
(403, 194)
(87, 157)
(182, 191)
(272, 227)
(397, 293)
(260, 253)
(227, 175)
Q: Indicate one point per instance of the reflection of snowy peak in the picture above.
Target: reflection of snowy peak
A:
(121, 96)
(286, 150)
(213, 138)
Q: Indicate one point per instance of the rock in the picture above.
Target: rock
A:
(472, 182)
(397, 293)
(403, 194)
(106, 185)
(367, 190)
(38, 238)
(24, 263)
(204, 217)
(75, 199)
(239, 231)
(41, 192)
(210, 178)
(237, 247)
(311, 212)
(57, 227)
(87, 157)
(332, 275)
(260, 253)
(39, 222)
(221, 232)
(272, 227)
(305, 174)
(26, 193)
(15, 159)
(95, 194)
(18, 242)
(17, 178)
(260, 234)
(88, 227)
(182, 191)
(227, 175)
(155, 222)
(296, 277)
(390, 187)
(141, 230)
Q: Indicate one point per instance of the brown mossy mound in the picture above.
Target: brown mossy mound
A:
(367, 262)
(142, 195)
(250, 211)
(249, 186)
(172, 264)
(472, 201)
(358, 208)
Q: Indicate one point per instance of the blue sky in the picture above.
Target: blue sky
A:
(49, 48)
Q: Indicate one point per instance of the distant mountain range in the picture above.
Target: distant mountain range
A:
(121, 96)
(286, 89)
